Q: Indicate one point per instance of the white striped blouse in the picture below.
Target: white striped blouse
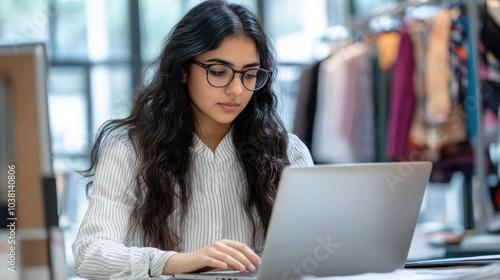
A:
(103, 250)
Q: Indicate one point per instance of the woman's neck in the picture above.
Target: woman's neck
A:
(212, 136)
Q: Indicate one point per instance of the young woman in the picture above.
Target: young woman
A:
(187, 181)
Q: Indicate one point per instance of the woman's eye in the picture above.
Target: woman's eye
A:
(217, 73)
(250, 76)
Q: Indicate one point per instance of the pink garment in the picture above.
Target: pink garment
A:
(337, 107)
(490, 120)
(402, 99)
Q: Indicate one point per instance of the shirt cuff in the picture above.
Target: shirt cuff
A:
(158, 262)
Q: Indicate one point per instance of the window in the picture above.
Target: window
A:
(299, 41)
(24, 20)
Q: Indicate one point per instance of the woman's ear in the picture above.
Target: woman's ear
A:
(184, 77)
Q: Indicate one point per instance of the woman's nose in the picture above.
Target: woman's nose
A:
(236, 85)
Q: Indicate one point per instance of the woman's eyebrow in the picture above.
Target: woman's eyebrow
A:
(218, 60)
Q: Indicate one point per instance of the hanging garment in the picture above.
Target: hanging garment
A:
(331, 83)
(337, 107)
(462, 161)
(402, 99)
(448, 133)
(418, 128)
(490, 33)
(437, 68)
(306, 104)
(493, 8)
(383, 57)
(490, 47)
(458, 56)
(387, 48)
(365, 122)
(490, 93)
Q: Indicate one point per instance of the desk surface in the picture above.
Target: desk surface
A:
(491, 271)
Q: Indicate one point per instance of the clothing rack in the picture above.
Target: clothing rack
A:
(397, 9)
(400, 7)
(482, 208)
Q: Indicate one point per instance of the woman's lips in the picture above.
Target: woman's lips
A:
(229, 106)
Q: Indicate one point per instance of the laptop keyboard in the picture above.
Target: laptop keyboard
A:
(235, 273)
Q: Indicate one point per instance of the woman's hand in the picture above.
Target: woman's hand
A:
(222, 254)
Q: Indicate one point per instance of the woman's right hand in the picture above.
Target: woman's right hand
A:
(222, 254)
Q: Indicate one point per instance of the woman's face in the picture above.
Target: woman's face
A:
(218, 107)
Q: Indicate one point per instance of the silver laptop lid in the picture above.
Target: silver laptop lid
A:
(343, 219)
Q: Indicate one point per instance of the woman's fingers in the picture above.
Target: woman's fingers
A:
(249, 253)
(222, 254)
(209, 261)
(237, 255)
(232, 261)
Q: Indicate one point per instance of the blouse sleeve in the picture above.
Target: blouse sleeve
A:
(298, 153)
(99, 249)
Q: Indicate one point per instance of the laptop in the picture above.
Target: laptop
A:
(334, 220)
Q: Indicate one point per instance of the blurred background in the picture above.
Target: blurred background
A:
(99, 51)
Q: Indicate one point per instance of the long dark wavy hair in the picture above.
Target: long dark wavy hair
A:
(161, 128)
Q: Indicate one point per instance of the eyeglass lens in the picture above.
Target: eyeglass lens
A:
(221, 76)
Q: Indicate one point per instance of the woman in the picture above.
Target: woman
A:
(187, 181)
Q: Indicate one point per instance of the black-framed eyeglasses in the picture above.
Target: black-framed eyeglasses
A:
(221, 75)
